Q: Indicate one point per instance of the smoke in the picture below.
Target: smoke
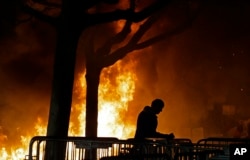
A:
(25, 78)
(198, 73)
(197, 69)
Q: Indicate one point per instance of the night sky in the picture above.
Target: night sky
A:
(207, 64)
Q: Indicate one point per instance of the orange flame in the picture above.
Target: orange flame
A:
(116, 89)
(117, 86)
(113, 103)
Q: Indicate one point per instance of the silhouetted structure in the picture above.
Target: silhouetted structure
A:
(147, 122)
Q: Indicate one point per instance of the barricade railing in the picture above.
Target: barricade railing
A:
(221, 145)
(109, 148)
(222, 141)
(104, 148)
(209, 149)
(150, 149)
(76, 148)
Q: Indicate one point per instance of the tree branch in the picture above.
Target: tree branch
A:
(128, 14)
(123, 51)
(142, 30)
(39, 12)
(118, 38)
(117, 55)
(46, 3)
(134, 45)
(163, 36)
(185, 25)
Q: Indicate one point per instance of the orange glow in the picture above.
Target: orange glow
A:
(19, 151)
(113, 103)
(117, 85)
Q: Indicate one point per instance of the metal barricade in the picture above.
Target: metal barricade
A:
(219, 147)
(105, 148)
(132, 149)
(101, 148)
(223, 141)
(73, 148)
(151, 149)
(183, 149)
(208, 149)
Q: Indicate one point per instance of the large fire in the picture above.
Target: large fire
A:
(117, 85)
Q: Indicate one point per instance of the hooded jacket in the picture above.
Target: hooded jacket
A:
(146, 125)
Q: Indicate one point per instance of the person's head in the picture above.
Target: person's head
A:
(157, 105)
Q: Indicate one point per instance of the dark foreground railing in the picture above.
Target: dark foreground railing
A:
(76, 148)
(105, 148)
(210, 149)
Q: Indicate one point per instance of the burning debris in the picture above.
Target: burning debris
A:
(115, 93)
(190, 71)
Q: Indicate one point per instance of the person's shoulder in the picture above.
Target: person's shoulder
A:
(147, 109)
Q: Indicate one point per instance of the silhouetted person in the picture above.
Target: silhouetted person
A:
(147, 122)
